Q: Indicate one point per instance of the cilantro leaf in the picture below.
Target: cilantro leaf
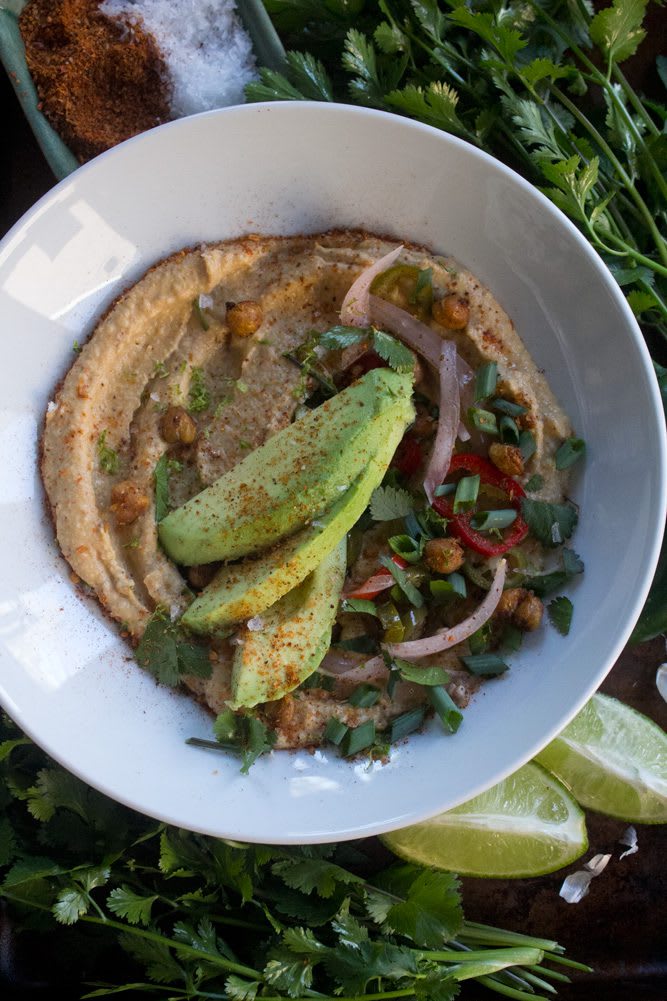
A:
(420, 675)
(431, 910)
(551, 524)
(309, 76)
(396, 355)
(272, 86)
(353, 967)
(436, 987)
(359, 605)
(313, 874)
(238, 989)
(389, 503)
(166, 652)
(134, 907)
(504, 39)
(618, 29)
(560, 614)
(435, 105)
(258, 740)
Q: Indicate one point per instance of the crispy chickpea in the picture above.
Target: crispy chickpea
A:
(443, 555)
(522, 607)
(507, 458)
(177, 426)
(451, 312)
(528, 614)
(128, 501)
(244, 318)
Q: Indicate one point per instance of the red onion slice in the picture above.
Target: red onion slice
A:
(446, 638)
(412, 331)
(448, 421)
(355, 309)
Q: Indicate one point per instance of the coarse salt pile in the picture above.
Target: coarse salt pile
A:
(207, 52)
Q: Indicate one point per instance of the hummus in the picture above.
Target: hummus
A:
(166, 343)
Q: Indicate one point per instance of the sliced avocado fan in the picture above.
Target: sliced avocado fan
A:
(289, 480)
(292, 637)
(242, 590)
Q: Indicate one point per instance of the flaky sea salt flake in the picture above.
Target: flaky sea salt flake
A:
(629, 837)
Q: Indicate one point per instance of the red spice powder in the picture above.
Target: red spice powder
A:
(99, 80)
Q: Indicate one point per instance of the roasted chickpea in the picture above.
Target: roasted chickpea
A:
(443, 555)
(244, 318)
(128, 501)
(528, 614)
(522, 607)
(451, 312)
(177, 426)
(507, 458)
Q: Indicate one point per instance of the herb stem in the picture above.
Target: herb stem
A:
(504, 989)
(635, 101)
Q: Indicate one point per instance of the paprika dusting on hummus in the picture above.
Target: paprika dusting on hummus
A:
(319, 481)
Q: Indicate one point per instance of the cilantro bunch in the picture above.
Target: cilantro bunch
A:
(537, 83)
(179, 915)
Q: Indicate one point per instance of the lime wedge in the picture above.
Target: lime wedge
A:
(526, 825)
(614, 760)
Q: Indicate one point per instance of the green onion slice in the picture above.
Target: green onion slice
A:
(406, 547)
(403, 581)
(364, 696)
(357, 738)
(405, 724)
(487, 665)
(527, 444)
(467, 490)
(486, 380)
(483, 420)
(449, 713)
(571, 451)
(507, 407)
(509, 432)
(444, 489)
(335, 730)
(491, 521)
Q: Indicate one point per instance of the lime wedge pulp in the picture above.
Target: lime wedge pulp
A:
(614, 760)
(527, 825)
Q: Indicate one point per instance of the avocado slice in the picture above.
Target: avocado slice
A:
(243, 590)
(294, 636)
(285, 483)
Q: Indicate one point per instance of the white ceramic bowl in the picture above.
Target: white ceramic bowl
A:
(68, 679)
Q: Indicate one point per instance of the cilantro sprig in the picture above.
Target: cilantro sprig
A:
(168, 653)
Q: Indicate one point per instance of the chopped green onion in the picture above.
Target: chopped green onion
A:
(467, 490)
(506, 407)
(527, 444)
(483, 420)
(491, 521)
(444, 489)
(357, 738)
(403, 581)
(317, 680)
(454, 585)
(406, 547)
(536, 482)
(570, 452)
(485, 664)
(479, 575)
(406, 723)
(364, 696)
(449, 713)
(485, 380)
(509, 432)
(335, 730)
(424, 282)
